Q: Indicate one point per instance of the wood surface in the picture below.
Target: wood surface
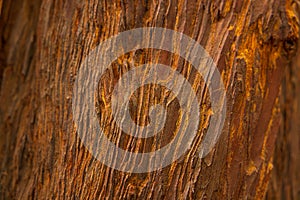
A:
(254, 45)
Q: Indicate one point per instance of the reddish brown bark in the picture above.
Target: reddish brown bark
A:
(252, 43)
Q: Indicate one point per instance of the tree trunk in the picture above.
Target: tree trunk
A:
(285, 182)
(253, 43)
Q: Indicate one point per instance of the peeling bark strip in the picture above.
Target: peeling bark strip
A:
(42, 46)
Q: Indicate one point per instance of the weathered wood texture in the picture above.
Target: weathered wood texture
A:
(285, 182)
(252, 43)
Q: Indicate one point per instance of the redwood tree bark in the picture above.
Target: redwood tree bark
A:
(253, 43)
(285, 182)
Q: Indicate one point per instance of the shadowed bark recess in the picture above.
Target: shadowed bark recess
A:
(253, 43)
(285, 182)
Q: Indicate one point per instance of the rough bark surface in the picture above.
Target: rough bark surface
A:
(252, 43)
(285, 182)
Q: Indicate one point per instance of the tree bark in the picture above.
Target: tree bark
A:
(285, 182)
(252, 42)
